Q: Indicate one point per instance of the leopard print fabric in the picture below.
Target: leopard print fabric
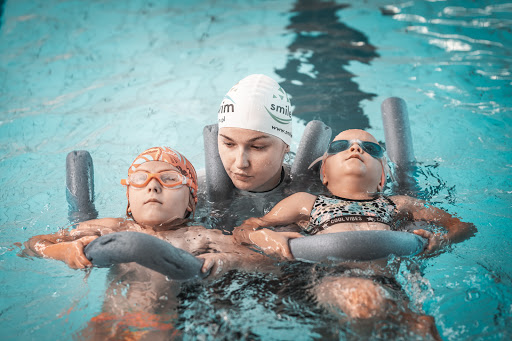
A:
(333, 210)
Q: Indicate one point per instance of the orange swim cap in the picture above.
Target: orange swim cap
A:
(172, 157)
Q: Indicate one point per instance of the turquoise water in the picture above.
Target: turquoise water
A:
(117, 77)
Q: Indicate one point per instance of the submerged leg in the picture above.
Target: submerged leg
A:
(363, 299)
(356, 297)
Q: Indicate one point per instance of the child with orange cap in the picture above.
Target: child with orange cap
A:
(353, 170)
(162, 193)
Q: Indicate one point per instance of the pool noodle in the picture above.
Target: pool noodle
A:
(356, 246)
(218, 184)
(399, 146)
(313, 144)
(80, 186)
(146, 250)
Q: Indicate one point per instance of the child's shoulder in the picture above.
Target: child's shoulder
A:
(100, 225)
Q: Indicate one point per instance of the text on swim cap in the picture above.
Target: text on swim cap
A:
(226, 108)
(282, 110)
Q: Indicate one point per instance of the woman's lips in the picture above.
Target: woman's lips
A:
(241, 177)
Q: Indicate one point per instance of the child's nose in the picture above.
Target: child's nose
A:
(154, 186)
(355, 147)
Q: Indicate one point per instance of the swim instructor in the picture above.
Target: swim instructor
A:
(255, 132)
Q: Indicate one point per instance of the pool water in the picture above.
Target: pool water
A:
(115, 78)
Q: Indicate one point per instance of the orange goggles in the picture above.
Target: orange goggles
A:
(169, 178)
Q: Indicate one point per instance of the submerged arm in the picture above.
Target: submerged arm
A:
(457, 230)
(291, 210)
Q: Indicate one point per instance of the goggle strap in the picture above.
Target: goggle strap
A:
(316, 161)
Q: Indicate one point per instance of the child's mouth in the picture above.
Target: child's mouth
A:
(152, 201)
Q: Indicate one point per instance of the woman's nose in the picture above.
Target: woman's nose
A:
(242, 159)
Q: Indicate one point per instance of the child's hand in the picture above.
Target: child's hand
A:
(274, 243)
(214, 263)
(72, 253)
(434, 240)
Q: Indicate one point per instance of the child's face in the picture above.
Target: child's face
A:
(252, 159)
(155, 204)
(354, 161)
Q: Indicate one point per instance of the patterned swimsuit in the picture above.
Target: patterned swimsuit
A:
(328, 211)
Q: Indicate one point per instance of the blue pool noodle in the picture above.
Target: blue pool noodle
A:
(80, 186)
(356, 246)
(399, 144)
(312, 145)
(218, 184)
(146, 250)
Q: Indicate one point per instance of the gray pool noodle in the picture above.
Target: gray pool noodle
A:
(313, 144)
(218, 184)
(146, 250)
(80, 186)
(356, 246)
(399, 144)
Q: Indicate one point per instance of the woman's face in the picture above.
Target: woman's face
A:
(155, 204)
(252, 159)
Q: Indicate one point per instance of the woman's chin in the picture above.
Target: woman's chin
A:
(243, 185)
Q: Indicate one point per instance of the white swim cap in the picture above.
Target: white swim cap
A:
(259, 103)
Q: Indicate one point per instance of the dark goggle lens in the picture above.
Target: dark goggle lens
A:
(338, 146)
(371, 148)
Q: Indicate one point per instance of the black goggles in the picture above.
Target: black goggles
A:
(371, 148)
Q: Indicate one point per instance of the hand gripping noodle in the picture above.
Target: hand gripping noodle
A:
(146, 250)
(258, 103)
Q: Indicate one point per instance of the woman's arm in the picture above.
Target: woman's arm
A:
(457, 230)
(291, 210)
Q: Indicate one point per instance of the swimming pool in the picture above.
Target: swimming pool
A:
(117, 77)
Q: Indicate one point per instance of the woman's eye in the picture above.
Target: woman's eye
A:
(259, 147)
(229, 144)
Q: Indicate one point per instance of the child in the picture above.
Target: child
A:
(162, 193)
(353, 170)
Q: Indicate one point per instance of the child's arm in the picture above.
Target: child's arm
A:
(457, 230)
(68, 246)
(219, 263)
(291, 210)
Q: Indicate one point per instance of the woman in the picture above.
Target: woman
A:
(255, 132)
